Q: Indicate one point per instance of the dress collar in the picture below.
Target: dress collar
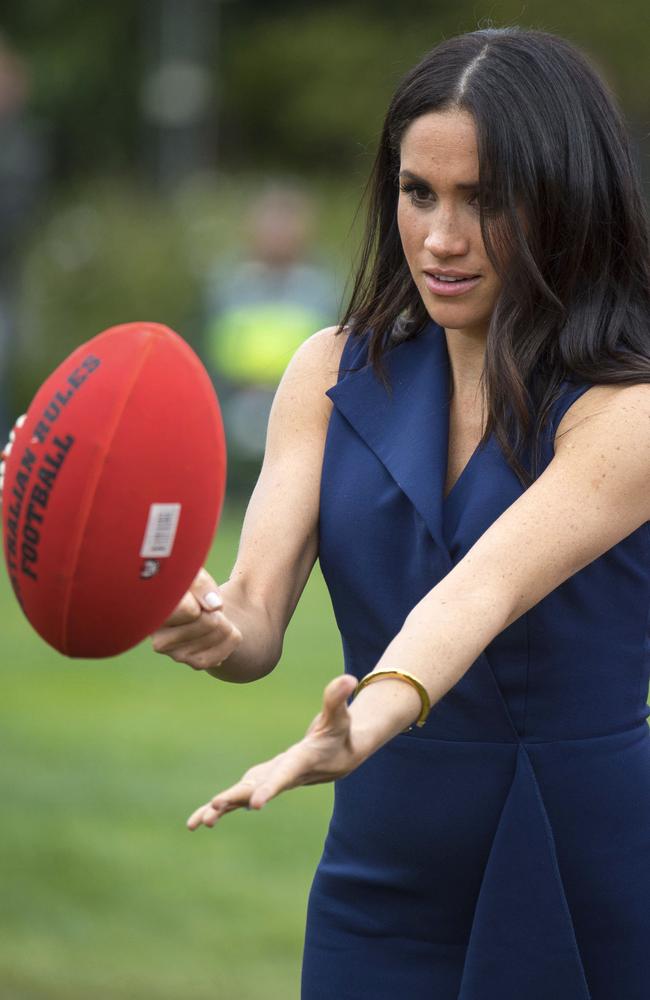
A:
(407, 429)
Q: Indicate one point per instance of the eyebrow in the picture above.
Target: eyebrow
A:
(471, 186)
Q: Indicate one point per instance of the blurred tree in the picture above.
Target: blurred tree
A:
(326, 72)
(85, 64)
(298, 89)
(177, 88)
(299, 86)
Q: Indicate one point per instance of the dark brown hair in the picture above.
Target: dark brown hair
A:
(575, 296)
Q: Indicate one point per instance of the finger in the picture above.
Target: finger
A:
(196, 819)
(202, 648)
(208, 653)
(207, 592)
(6, 451)
(169, 637)
(335, 697)
(293, 768)
(186, 611)
(237, 796)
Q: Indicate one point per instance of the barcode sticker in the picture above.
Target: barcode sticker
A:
(160, 532)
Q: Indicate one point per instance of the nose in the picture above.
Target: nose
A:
(446, 237)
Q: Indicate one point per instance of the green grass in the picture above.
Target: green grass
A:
(105, 894)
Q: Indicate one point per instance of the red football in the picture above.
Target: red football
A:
(113, 490)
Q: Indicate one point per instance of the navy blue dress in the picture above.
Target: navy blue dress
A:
(502, 851)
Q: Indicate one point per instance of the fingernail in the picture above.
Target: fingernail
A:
(213, 600)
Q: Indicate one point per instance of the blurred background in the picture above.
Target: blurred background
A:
(198, 163)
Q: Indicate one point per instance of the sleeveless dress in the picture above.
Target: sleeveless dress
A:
(502, 851)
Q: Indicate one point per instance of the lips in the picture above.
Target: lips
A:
(447, 272)
(440, 287)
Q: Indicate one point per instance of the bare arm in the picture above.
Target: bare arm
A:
(279, 538)
(592, 495)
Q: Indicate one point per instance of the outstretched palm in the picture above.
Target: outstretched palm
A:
(325, 753)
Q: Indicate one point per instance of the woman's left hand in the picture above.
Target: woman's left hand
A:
(325, 753)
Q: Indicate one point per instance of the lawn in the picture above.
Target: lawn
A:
(105, 894)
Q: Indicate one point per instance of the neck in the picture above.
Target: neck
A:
(466, 350)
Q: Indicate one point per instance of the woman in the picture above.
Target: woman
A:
(477, 496)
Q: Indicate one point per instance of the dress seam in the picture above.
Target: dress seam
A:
(528, 741)
(550, 840)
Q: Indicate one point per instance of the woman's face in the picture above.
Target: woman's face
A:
(438, 220)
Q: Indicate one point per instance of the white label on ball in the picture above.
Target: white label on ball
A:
(160, 532)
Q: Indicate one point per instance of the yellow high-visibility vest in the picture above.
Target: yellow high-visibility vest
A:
(254, 343)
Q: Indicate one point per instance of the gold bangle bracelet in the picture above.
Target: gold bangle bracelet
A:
(400, 675)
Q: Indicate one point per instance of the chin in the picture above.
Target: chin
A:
(456, 315)
(455, 318)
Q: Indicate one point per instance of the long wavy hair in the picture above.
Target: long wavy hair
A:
(575, 295)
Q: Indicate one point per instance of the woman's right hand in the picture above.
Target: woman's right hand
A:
(279, 538)
(197, 632)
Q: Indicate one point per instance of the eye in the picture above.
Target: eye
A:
(475, 201)
(418, 194)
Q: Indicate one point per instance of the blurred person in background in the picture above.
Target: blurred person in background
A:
(259, 309)
(22, 172)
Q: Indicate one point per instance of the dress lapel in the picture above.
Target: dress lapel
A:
(408, 430)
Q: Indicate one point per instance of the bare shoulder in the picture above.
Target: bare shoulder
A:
(603, 449)
(330, 343)
(624, 403)
(300, 401)
(318, 358)
(300, 410)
